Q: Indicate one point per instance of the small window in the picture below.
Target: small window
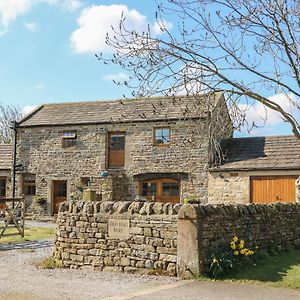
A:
(2, 187)
(162, 136)
(29, 185)
(170, 189)
(117, 142)
(69, 139)
(148, 189)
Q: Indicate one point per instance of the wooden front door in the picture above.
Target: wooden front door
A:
(59, 194)
(116, 149)
(273, 189)
(161, 190)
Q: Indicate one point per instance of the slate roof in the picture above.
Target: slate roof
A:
(5, 156)
(260, 153)
(144, 109)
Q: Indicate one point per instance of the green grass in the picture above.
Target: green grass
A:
(31, 234)
(282, 270)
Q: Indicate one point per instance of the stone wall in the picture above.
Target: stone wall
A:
(83, 237)
(40, 152)
(167, 238)
(228, 188)
(209, 228)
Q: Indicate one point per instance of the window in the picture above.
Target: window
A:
(2, 188)
(170, 189)
(69, 139)
(162, 136)
(29, 185)
(148, 189)
(162, 190)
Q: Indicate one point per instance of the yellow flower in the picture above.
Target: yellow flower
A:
(244, 251)
(236, 253)
(242, 244)
(235, 239)
(232, 245)
(214, 260)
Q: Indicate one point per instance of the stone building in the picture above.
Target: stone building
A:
(159, 148)
(5, 170)
(257, 170)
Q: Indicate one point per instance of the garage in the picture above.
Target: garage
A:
(271, 189)
(257, 170)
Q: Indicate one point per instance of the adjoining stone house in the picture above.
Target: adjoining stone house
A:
(5, 170)
(159, 148)
(258, 170)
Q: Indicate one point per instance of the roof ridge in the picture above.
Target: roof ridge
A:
(130, 99)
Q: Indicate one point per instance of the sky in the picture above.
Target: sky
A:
(48, 51)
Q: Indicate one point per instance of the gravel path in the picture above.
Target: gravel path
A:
(21, 279)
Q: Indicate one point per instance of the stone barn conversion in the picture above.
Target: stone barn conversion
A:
(257, 170)
(5, 169)
(158, 148)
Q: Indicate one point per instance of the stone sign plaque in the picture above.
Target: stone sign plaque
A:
(118, 228)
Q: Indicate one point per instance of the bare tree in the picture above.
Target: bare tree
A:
(8, 114)
(249, 49)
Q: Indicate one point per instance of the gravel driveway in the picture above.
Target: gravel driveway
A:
(21, 279)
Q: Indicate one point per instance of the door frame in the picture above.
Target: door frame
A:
(51, 191)
(108, 140)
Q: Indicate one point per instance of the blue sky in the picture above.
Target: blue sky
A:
(47, 52)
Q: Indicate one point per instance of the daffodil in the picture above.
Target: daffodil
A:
(236, 253)
(233, 245)
(242, 244)
(235, 239)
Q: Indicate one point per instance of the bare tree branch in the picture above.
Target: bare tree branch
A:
(248, 48)
(8, 114)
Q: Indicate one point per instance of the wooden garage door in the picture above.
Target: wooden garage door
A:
(273, 189)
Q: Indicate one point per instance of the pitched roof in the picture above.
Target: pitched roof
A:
(5, 156)
(260, 153)
(144, 109)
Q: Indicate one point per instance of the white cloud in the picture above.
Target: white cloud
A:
(96, 21)
(267, 118)
(31, 26)
(39, 86)
(158, 28)
(11, 9)
(28, 109)
(116, 77)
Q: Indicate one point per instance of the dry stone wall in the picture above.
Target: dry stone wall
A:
(263, 226)
(173, 239)
(118, 236)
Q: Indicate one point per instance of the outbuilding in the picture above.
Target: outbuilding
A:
(257, 170)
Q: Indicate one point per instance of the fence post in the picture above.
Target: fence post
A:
(189, 256)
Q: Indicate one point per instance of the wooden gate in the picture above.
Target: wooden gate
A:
(12, 215)
(271, 189)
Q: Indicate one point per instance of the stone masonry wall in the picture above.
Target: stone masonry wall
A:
(262, 226)
(40, 152)
(228, 189)
(83, 239)
(167, 238)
